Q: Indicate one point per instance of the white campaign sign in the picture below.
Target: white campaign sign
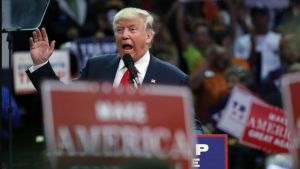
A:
(236, 111)
(60, 62)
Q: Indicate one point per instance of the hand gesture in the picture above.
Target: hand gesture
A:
(40, 50)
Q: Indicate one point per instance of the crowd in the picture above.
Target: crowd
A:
(217, 43)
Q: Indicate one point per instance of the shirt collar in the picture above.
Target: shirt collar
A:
(141, 65)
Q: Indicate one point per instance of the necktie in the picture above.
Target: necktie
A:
(124, 80)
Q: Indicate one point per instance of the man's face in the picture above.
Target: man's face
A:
(260, 22)
(132, 38)
(201, 37)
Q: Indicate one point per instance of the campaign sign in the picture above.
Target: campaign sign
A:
(236, 111)
(291, 96)
(266, 129)
(211, 151)
(92, 125)
(271, 4)
(92, 47)
(60, 62)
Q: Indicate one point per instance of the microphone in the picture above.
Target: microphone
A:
(129, 63)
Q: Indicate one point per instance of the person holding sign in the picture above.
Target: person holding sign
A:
(133, 30)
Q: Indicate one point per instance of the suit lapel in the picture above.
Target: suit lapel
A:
(152, 71)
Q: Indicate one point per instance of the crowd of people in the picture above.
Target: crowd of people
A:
(216, 43)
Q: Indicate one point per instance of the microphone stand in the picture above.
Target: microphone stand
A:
(9, 109)
(133, 81)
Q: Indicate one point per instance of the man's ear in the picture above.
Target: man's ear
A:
(149, 36)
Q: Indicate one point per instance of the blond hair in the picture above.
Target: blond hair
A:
(132, 13)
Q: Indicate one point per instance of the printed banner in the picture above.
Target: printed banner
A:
(211, 151)
(291, 97)
(60, 63)
(92, 47)
(236, 111)
(254, 122)
(102, 126)
(266, 129)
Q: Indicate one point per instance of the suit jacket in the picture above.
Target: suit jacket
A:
(104, 68)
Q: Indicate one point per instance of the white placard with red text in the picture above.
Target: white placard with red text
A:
(88, 124)
(60, 62)
(254, 122)
(236, 111)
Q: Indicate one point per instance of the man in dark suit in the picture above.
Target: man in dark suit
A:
(134, 33)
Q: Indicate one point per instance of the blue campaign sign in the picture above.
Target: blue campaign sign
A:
(211, 151)
(92, 47)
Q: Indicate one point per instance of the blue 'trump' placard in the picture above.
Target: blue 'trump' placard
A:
(211, 151)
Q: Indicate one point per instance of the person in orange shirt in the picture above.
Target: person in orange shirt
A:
(208, 79)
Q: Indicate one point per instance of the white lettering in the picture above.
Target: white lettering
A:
(196, 162)
(65, 142)
(201, 148)
(123, 141)
(121, 111)
(260, 136)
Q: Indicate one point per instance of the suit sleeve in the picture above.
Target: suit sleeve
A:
(44, 72)
(84, 72)
(186, 81)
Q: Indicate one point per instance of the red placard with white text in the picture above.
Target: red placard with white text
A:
(95, 125)
(266, 129)
(291, 100)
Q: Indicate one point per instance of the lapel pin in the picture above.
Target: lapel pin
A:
(153, 81)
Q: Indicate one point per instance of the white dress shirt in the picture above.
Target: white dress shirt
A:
(141, 65)
(34, 68)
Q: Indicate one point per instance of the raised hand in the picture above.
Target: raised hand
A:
(40, 50)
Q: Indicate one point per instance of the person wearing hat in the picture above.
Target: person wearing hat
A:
(261, 46)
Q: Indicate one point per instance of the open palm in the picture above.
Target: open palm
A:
(40, 50)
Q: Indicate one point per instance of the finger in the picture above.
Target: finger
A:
(44, 35)
(52, 45)
(34, 35)
(39, 35)
(31, 42)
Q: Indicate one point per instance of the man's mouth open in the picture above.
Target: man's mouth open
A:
(127, 48)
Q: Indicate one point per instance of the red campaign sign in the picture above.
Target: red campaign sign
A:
(295, 97)
(266, 129)
(91, 124)
(291, 97)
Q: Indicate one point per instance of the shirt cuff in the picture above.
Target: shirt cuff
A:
(36, 67)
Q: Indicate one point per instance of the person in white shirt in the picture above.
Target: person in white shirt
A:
(261, 47)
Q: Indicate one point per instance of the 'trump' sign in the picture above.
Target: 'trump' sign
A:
(211, 152)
